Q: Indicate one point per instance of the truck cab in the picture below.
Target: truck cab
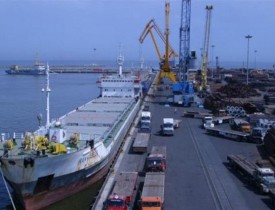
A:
(156, 162)
(117, 202)
(208, 122)
(122, 195)
(258, 134)
(168, 126)
(151, 203)
(265, 179)
(145, 117)
(267, 184)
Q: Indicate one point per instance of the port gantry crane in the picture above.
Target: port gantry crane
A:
(184, 51)
(165, 69)
(204, 63)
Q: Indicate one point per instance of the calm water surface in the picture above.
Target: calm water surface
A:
(21, 100)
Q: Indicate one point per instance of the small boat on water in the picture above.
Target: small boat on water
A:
(71, 153)
(37, 69)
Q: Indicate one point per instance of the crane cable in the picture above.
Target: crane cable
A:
(7, 187)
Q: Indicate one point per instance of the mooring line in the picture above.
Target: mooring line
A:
(7, 188)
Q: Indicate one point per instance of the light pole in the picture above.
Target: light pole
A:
(94, 57)
(255, 51)
(247, 37)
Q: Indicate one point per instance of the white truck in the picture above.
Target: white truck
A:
(168, 126)
(208, 122)
(145, 117)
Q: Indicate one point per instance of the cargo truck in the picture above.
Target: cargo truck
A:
(261, 177)
(168, 126)
(122, 195)
(152, 196)
(256, 136)
(156, 160)
(141, 142)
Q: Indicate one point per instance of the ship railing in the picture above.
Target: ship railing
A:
(108, 136)
(14, 135)
(86, 136)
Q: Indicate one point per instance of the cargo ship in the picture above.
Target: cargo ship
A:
(38, 68)
(71, 153)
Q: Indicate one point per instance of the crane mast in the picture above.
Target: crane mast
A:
(204, 63)
(166, 66)
(184, 51)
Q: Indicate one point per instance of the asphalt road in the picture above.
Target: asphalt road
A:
(197, 175)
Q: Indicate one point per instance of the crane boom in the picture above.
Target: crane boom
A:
(149, 30)
(184, 51)
(166, 66)
(204, 63)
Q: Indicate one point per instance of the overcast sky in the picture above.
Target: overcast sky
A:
(72, 29)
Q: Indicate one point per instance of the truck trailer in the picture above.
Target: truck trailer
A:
(261, 177)
(152, 196)
(256, 136)
(122, 195)
(156, 160)
(141, 142)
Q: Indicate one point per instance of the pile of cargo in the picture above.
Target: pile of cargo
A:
(232, 95)
(238, 91)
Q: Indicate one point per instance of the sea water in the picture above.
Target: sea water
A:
(21, 101)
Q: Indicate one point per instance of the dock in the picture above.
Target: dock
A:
(196, 176)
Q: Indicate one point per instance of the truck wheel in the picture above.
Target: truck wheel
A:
(259, 141)
(261, 192)
(239, 139)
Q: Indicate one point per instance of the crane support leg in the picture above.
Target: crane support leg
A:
(167, 74)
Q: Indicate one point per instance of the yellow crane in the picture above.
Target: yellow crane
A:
(165, 69)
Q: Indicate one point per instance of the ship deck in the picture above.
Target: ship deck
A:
(98, 119)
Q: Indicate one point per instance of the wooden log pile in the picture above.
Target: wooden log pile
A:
(238, 91)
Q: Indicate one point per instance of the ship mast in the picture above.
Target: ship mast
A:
(120, 61)
(47, 90)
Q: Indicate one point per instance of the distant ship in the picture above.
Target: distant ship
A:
(37, 69)
(70, 154)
